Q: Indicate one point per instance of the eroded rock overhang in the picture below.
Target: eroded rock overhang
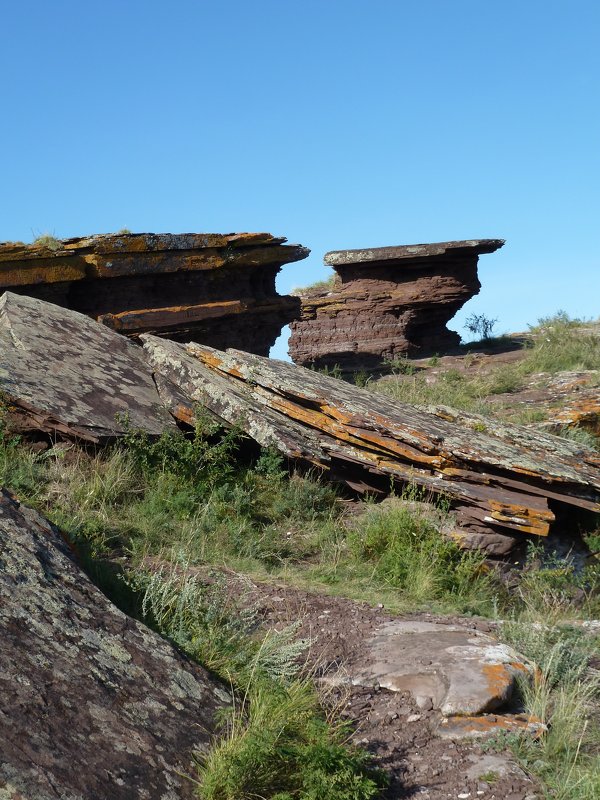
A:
(387, 302)
(218, 289)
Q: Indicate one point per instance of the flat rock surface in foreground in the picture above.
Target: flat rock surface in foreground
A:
(92, 703)
(444, 666)
(64, 373)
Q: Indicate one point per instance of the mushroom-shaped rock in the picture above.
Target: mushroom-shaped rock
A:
(387, 302)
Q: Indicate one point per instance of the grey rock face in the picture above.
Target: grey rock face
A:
(447, 667)
(92, 703)
(64, 373)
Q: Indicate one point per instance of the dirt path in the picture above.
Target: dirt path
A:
(390, 724)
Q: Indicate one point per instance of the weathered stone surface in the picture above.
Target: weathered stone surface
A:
(387, 302)
(457, 670)
(92, 703)
(484, 726)
(62, 373)
(499, 477)
(214, 288)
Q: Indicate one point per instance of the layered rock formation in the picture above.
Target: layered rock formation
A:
(502, 480)
(387, 302)
(63, 374)
(218, 289)
(92, 703)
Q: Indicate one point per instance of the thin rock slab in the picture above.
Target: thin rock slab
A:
(499, 477)
(63, 374)
(92, 703)
(450, 668)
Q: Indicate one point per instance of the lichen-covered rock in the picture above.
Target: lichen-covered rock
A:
(213, 288)
(449, 667)
(387, 302)
(62, 373)
(500, 478)
(92, 703)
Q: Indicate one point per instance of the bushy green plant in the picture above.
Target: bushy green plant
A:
(400, 365)
(48, 241)
(480, 325)
(277, 742)
(551, 587)
(327, 284)
(409, 553)
(279, 747)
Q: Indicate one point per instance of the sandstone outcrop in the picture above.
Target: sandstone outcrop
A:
(387, 302)
(502, 479)
(63, 374)
(92, 703)
(218, 289)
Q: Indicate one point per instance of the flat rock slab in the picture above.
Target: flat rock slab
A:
(500, 478)
(484, 726)
(63, 373)
(447, 667)
(213, 288)
(93, 704)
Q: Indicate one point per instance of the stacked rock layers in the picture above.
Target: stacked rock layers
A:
(387, 302)
(218, 289)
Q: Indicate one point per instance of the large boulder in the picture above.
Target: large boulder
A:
(93, 704)
(387, 302)
(62, 373)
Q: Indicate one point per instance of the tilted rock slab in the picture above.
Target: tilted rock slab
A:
(387, 302)
(213, 288)
(498, 477)
(62, 373)
(93, 704)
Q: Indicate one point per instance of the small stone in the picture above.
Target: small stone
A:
(413, 718)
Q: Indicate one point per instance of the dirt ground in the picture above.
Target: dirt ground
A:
(390, 725)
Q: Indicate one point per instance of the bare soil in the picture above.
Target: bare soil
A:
(400, 736)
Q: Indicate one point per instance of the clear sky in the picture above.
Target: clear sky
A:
(336, 123)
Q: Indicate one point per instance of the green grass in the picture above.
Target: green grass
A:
(328, 284)
(278, 742)
(565, 696)
(48, 241)
(169, 511)
(558, 344)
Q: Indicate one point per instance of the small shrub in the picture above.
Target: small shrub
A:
(574, 433)
(410, 554)
(328, 284)
(48, 241)
(480, 326)
(278, 747)
(400, 366)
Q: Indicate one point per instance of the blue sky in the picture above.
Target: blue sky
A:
(336, 123)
